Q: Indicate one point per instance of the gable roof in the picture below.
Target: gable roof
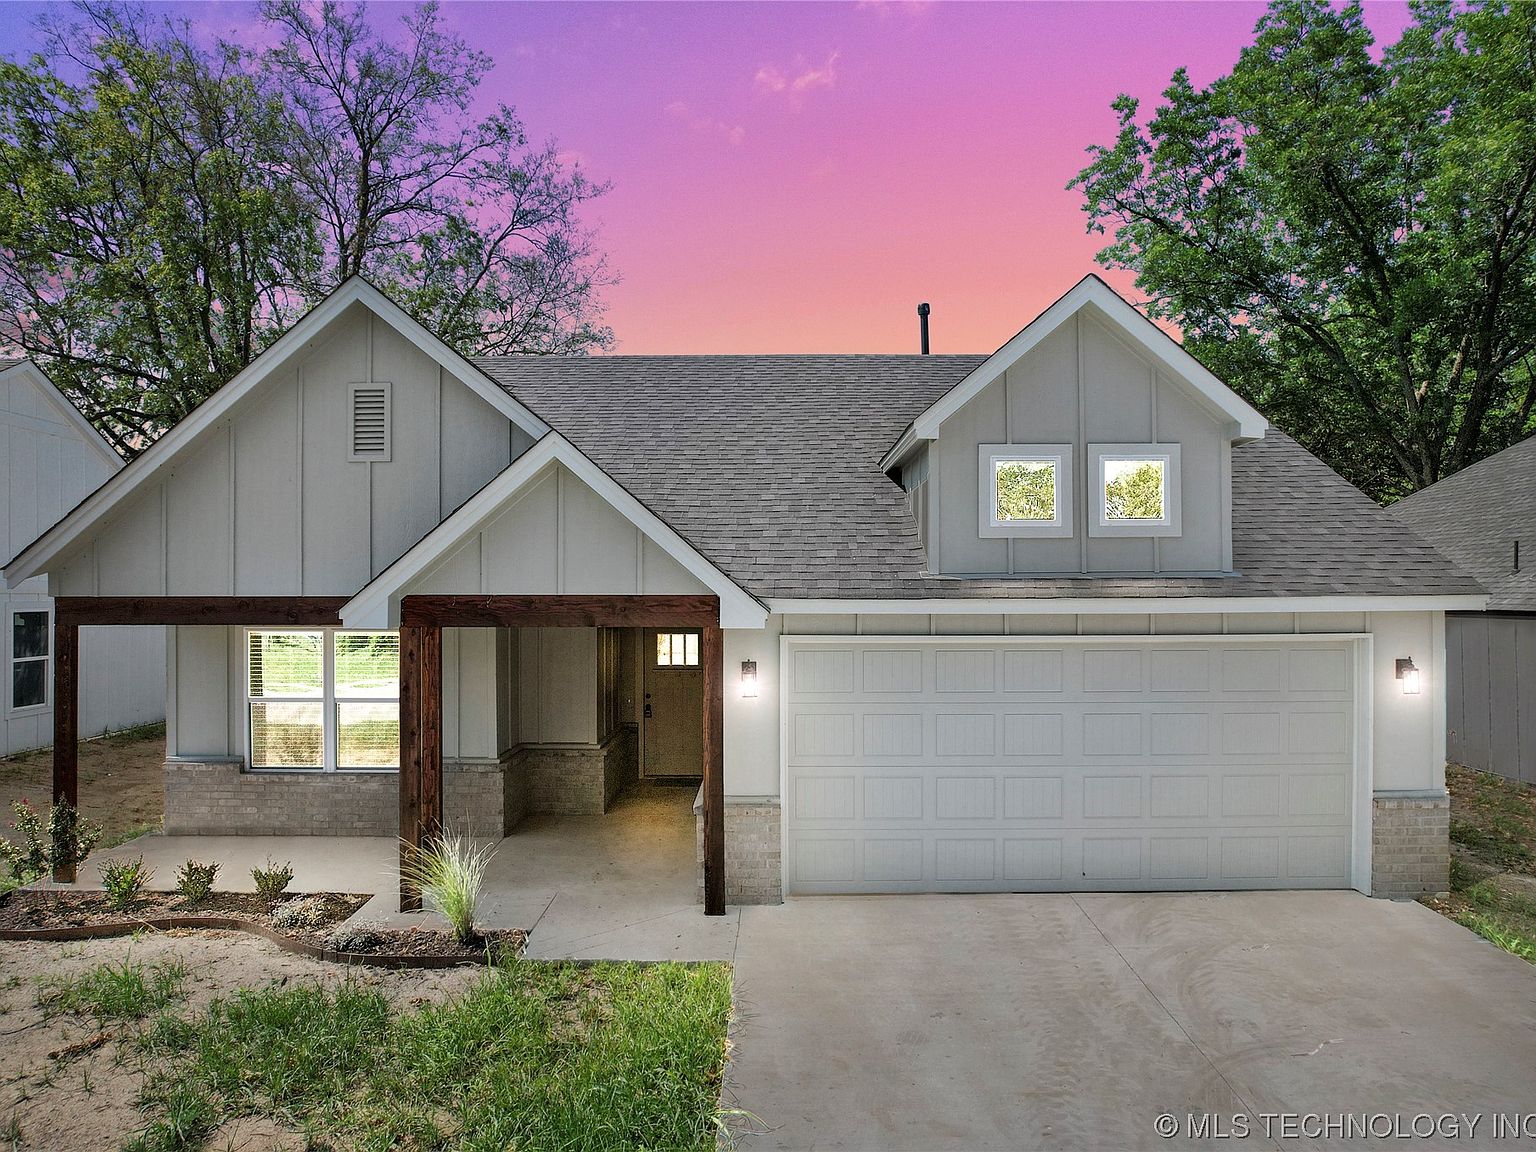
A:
(771, 466)
(295, 340)
(1475, 517)
(370, 608)
(29, 371)
(1089, 292)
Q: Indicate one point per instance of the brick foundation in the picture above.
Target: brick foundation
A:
(753, 850)
(220, 798)
(571, 780)
(1410, 844)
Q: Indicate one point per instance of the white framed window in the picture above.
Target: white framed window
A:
(1136, 490)
(322, 700)
(1025, 489)
(677, 649)
(31, 657)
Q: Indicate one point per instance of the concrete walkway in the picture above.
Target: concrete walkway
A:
(621, 886)
(975, 1022)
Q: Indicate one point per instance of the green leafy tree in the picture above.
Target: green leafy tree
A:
(1136, 495)
(167, 209)
(1346, 236)
(1026, 491)
(146, 246)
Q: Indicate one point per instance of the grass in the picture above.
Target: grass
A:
(119, 739)
(1493, 843)
(531, 1056)
(115, 992)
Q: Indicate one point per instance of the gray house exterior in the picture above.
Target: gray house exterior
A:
(921, 680)
(1483, 518)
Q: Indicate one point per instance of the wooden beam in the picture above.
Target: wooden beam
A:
(253, 611)
(66, 727)
(560, 611)
(429, 808)
(410, 760)
(712, 658)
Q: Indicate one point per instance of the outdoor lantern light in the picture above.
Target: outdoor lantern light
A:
(1409, 675)
(749, 679)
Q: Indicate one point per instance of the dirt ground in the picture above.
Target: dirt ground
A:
(66, 1085)
(122, 781)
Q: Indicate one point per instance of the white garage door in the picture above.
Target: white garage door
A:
(919, 765)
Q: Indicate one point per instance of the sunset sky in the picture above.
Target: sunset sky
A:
(796, 177)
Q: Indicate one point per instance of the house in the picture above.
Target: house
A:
(1069, 616)
(1479, 518)
(51, 459)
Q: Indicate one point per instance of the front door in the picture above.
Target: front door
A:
(672, 728)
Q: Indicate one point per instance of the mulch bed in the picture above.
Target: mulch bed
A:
(32, 914)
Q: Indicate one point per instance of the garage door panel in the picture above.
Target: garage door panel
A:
(1024, 765)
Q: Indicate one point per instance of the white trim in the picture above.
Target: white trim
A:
(1362, 799)
(44, 606)
(376, 605)
(29, 371)
(1169, 524)
(299, 338)
(1059, 456)
(1144, 334)
(1125, 605)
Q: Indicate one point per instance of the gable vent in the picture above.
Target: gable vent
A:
(370, 421)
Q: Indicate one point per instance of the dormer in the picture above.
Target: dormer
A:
(1089, 444)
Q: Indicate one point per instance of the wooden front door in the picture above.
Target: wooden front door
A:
(672, 739)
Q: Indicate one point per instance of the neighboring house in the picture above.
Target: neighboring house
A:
(51, 459)
(1482, 518)
(1070, 616)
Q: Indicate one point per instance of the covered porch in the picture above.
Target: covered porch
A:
(489, 798)
(618, 886)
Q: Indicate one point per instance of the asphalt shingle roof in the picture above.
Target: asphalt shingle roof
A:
(1475, 517)
(769, 466)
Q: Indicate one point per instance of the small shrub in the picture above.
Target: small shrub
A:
(124, 880)
(42, 845)
(354, 938)
(194, 880)
(303, 912)
(451, 869)
(272, 881)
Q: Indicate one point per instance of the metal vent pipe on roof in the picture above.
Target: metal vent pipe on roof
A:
(922, 325)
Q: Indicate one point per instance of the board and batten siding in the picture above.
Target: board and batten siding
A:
(270, 504)
(1491, 693)
(49, 467)
(1082, 385)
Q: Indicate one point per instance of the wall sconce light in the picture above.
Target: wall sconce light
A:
(749, 679)
(1409, 675)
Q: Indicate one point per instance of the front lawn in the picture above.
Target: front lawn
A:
(1493, 859)
(529, 1055)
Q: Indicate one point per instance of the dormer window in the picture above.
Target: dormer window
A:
(1026, 489)
(1137, 490)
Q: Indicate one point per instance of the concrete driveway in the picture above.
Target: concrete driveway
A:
(971, 1022)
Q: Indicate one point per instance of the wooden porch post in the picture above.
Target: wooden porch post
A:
(712, 657)
(66, 727)
(421, 746)
(410, 760)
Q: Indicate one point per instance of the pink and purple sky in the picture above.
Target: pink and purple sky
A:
(795, 177)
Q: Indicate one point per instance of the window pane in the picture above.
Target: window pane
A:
(287, 664)
(1133, 490)
(368, 664)
(287, 735)
(29, 683)
(29, 634)
(1025, 489)
(368, 735)
(663, 649)
(691, 643)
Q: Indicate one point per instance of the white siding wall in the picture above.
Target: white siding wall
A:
(1408, 732)
(232, 519)
(46, 468)
(1082, 385)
